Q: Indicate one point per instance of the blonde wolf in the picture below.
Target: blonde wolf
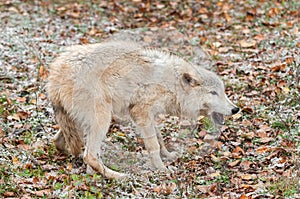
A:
(90, 84)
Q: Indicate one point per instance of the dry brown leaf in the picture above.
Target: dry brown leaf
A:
(261, 149)
(248, 176)
(262, 134)
(247, 44)
(243, 196)
(237, 116)
(227, 17)
(157, 189)
(246, 30)
(21, 99)
(9, 194)
(1, 132)
(286, 90)
(42, 193)
(238, 150)
(84, 40)
(266, 140)
(204, 188)
(166, 188)
(259, 37)
(24, 146)
(279, 67)
(42, 96)
(15, 161)
(223, 49)
(170, 188)
(70, 166)
(202, 133)
(247, 109)
(214, 158)
(249, 135)
(289, 60)
(43, 72)
(234, 163)
(216, 174)
(246, 164)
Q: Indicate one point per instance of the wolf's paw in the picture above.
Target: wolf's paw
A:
(170, 155)
(160, 169)
(90, 170)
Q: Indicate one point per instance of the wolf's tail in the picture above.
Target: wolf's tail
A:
(70, 131)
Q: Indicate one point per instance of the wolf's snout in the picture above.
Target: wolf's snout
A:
(235, 110)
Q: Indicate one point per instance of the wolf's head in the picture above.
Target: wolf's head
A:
(205, 95)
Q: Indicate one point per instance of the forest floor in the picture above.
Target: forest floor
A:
(253, 45)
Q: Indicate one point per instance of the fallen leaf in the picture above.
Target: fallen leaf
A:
(223, 49)
(289, 60)
(70, 166)
(243, 196)
(9, 194)
(43, 72)
(249, 135)
(246, 164)
(216, 174)
(21, 115)
(21, 99)
(1, 132)
(266, 140)
(248, 176)
(157, 189)
(237, 152)
(259, 37)
(247, 109)
(24, 146)
(42, 96)
(261, 149)
(264, 128)
(43, 192)
(227, 17)
(15, 161)
(237, 116)
(286, 90)
(204, 188)
(247, 44)
(234, 163)
(84, 40)
(279, 67)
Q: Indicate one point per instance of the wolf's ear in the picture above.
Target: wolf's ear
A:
(190, 80)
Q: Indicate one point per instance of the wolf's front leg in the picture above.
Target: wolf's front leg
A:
(149, 136)
(163, 149)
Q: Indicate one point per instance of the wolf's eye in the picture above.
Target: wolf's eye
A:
(213, 92)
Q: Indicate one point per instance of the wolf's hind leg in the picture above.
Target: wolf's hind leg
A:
(69, 138)
(100, 120)
(60, 142)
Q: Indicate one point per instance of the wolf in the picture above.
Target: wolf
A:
(90, 84)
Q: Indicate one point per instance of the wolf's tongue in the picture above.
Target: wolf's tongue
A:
(217, 118)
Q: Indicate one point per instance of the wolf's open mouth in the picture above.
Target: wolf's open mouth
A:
(217, 118)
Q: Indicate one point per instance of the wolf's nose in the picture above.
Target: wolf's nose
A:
(235, 110)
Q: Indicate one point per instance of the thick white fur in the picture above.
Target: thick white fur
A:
(90, 84)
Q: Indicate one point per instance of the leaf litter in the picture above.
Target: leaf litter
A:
(253, 46)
